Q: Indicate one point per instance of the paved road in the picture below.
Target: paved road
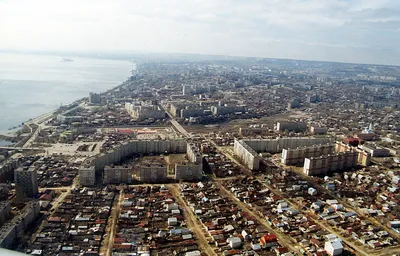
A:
(180, 128)
(39, 121)
(114, 215)
(192, 222)
(177, 125)
(20, 148)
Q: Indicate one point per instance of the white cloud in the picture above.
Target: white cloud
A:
(312, 29)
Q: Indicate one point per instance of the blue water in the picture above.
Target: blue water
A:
(31, 85)
(5, 143)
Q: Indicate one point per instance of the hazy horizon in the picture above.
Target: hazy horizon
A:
(350, 31)
(131, 56)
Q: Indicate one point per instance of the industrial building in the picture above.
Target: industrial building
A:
(117, 175)
(26, 181)
(87, 176)
(330, 163)
(291, 126)
(154, 173)
(297, 155)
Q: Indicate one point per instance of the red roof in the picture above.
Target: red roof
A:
(124, 131)
(269, 238)
(281, 250)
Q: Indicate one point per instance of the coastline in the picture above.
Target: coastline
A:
(7, 136)
(11, 135)
(33, 85)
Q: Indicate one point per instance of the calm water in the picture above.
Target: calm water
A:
(5, 143)
(31, 85)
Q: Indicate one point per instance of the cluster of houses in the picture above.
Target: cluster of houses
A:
(231, 230)
(77, 226)
(152, 223)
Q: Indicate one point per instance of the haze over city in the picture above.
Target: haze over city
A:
(362, 31)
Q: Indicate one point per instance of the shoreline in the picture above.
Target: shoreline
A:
(10, 134)
(16, 116)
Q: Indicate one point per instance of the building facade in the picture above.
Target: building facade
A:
(26, 181)
(246, 154)
(153, 173)
(147, 173)
(117, 175)
(141, 112)
(94, 98)
(10, 231)
(5, 211)
(188, 172)
(363, 157)
(297, 155)
(225, 110)
(318, 130)
(291, 126)
(87, 176)
(375, 151)
(330, 163)
(247, 150)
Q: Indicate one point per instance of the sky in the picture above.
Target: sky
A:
(362, 31)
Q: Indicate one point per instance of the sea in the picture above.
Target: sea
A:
(31, 84)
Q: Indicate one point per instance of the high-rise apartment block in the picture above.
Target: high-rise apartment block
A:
(87, 176)
(153, 173)
(330, 163)
(117, 174)
(297, 155)
(26, 181)
(94, 98)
